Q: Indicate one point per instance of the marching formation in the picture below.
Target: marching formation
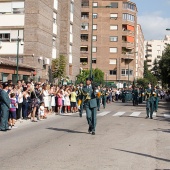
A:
(35, 101)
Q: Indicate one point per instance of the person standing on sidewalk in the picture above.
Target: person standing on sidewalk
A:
(90, 105)
(5, 106)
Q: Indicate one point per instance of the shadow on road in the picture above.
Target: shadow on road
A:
(162, 130)
(142, 154)
(66, 130)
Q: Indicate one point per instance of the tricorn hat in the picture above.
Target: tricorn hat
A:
(5, 85)
(89, 78)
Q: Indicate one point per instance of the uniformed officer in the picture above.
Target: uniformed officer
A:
(104, 97)
(135, 96)
(90, 105)
(80, 99)
(5, 105)
(156, 97)
(98, 98)
(149, 101)
(141, 95)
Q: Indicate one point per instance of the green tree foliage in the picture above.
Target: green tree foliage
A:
(148, 77)
(164, 65)
(59, 67)
(98, 76)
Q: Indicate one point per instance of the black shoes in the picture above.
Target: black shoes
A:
(93, 133)
(80, 115)
(3, 130)
(98, 109)
(90, 129)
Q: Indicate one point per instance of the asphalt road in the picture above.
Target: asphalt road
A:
(124, 140)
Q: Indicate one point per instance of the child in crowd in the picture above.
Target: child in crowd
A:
(12, 110)
(41, 111)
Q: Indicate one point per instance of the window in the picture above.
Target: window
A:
(113, 38)
(113, 27)
(128, 5)
(113, 50)
(113, 72)
(158, 56)
(128, 17)
(94, 49)
(54, 41)
(5, 37)
(112, 61)
(83, 60)
(95, 27)
(84, 26)
(94, 60)
(124, 72)
(113, 16)
(56, 4)
(84, 37)
(94, 37)
(94, 16)
(114, 4)
(95, 4)
(71, 7)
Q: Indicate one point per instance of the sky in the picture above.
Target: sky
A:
(154, 17)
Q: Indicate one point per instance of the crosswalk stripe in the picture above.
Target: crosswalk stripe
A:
(134, 114)
(167, 116)
(103, 113)
(118, 113)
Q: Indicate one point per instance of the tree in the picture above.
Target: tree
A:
(155, 70)
(59, 67)
(98, 76)
(143, 82)
(164, 66)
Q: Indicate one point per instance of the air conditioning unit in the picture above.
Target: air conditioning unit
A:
(46, 61)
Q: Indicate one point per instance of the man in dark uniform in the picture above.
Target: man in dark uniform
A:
(90, 105)
(156, 97)
(149, 101)
(104, 97)
(5, 105)
(135, 96)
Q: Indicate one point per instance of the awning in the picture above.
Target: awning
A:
(130, 28)
(130, 39)
(84, 46)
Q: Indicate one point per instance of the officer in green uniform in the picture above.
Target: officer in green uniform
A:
(98, 97)
(5, 105)
(135, 96)
(141, 95)
(80, 99)
(104, 97)
(149, 101)
(156, 97)
(90, 105)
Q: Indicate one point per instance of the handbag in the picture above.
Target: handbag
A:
(38, 100)
(93, 103)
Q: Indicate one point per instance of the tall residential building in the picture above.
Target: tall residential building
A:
(154, 50)
(109, 27)
(140, 54)
(45, 29)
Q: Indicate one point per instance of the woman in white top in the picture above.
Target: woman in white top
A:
(45, 95)
(67, 99)
(20, 101)
(53, 102)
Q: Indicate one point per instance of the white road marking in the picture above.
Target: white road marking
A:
(103, 113)
(118, 113)
(167, 116)
(135, 114)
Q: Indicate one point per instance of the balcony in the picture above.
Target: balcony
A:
(128, 45)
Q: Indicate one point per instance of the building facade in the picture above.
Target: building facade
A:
(140, 54)
(154, 50)
(110, 28)
(44, 31)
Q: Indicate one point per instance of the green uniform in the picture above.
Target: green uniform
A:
(141, 95)
(135, 97)
(156, 101)
(90, 105)
(5, 105)
(149, 102)
(104, 98)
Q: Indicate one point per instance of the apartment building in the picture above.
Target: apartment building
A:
(140, 54)
(44, 30)
(109, 27)
(154, 50)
